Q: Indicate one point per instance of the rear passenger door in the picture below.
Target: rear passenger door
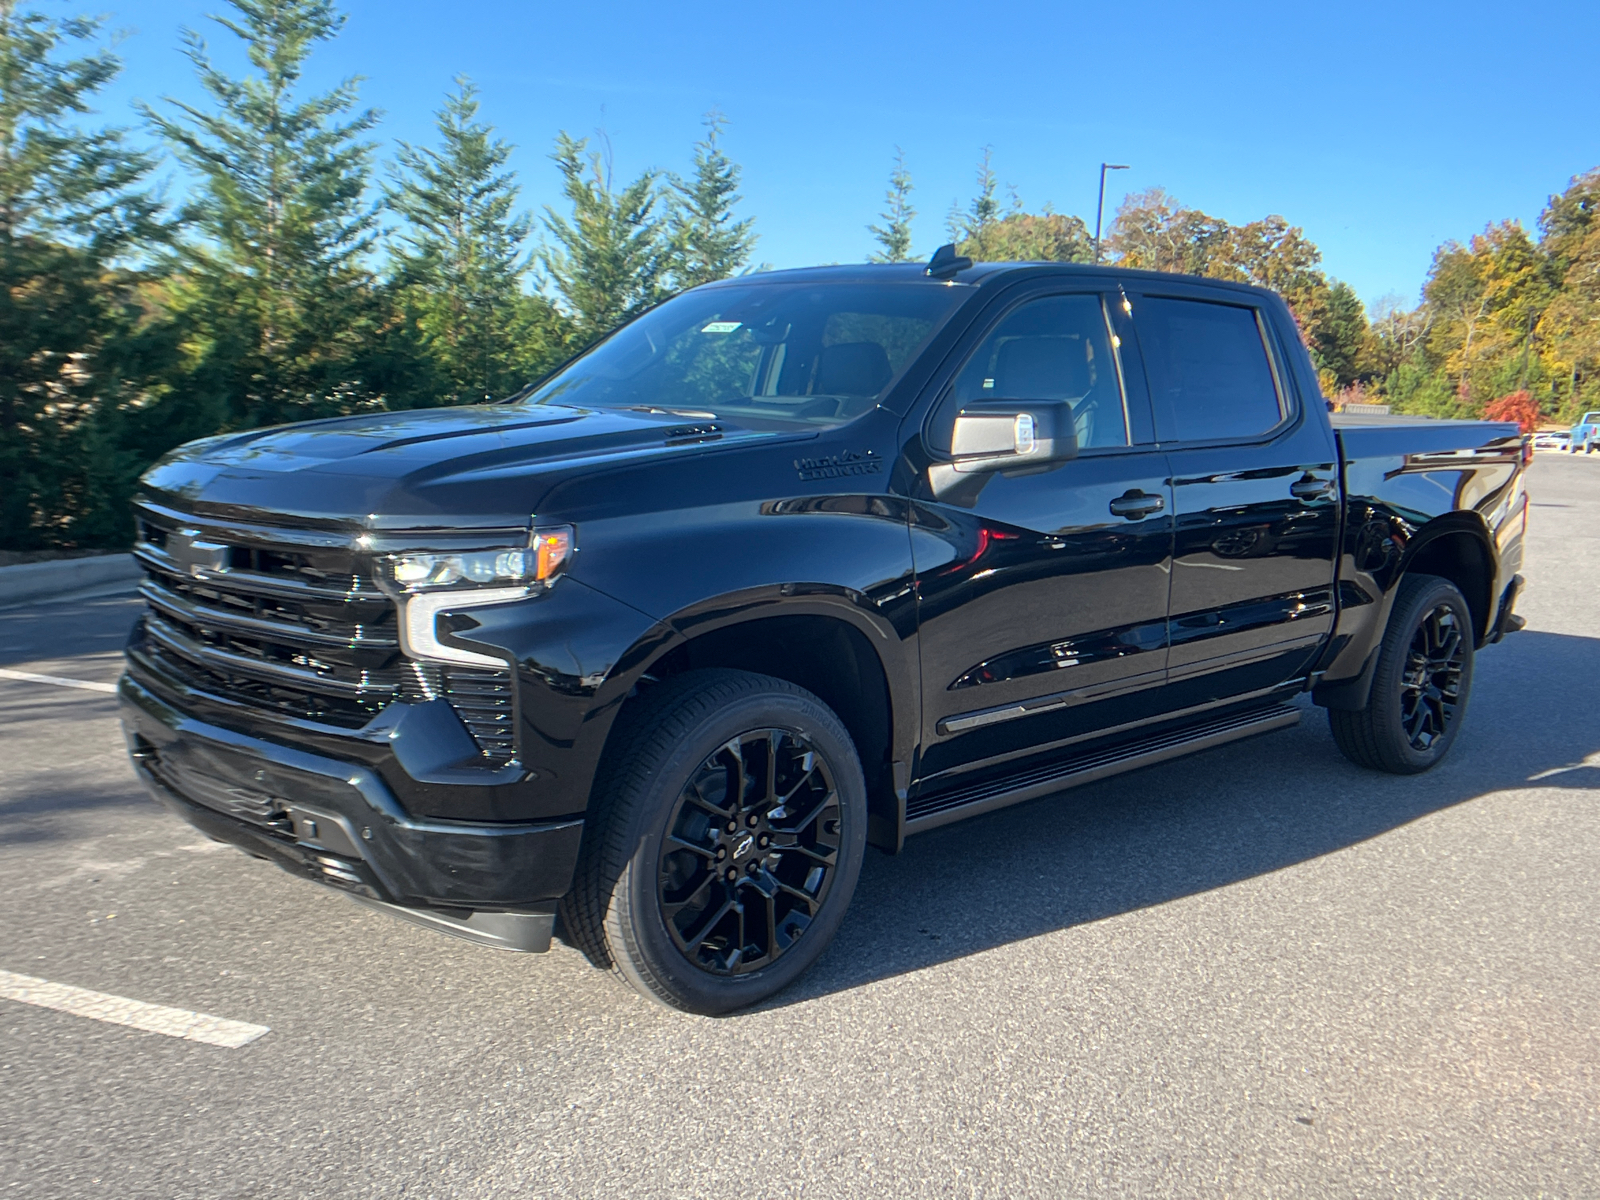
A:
(1255, 492)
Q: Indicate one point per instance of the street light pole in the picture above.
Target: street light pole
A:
(1100, 208)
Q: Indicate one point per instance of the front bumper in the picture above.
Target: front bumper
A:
(338, 823)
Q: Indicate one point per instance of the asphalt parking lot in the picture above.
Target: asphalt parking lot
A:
(1259, 972)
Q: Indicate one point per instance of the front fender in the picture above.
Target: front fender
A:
(578, 653)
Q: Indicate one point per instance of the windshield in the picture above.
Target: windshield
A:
(818, 353)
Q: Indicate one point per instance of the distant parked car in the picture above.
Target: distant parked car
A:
(1585, 434)
(1558, 439)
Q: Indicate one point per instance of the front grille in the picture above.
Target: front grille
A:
(292, 623)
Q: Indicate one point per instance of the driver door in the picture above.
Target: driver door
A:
(1043, 596)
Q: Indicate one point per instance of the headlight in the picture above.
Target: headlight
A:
(541, 561)
(433, 583)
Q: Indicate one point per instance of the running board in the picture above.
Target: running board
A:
(941, 808)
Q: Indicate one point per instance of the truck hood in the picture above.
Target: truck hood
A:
(484, 465)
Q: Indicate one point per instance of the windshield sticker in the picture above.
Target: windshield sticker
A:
(721, 327)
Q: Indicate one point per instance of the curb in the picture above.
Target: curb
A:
(49, 580)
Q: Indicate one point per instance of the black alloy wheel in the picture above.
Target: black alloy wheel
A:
(751, 853)
(1430, 685)
(724, 842)
(1420, 683)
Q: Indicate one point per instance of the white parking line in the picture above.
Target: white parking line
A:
(136, 1014)
(30, 677)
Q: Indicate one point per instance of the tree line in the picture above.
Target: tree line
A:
(306, 275)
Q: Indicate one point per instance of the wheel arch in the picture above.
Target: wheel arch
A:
(1454, 546)
(1457, 547)
(825, 640)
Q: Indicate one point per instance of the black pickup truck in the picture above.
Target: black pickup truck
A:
(790, 565)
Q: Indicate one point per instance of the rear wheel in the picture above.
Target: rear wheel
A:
(725, 842)
(1420, 685)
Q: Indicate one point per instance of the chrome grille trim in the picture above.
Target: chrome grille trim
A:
(249, 532)
(208, 617)
(225, 661)
(257, 583)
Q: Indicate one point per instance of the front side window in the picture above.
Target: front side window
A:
(1052, 348)
(816, 354)
(1209, 373)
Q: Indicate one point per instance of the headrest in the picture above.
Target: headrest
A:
(852, 369)
(1041, 368)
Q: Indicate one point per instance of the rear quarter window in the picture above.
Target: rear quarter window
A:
(1208, 369)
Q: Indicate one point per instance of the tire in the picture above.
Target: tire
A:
(646, 904)
(1420, 686)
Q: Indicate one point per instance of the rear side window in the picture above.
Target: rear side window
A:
(1208, 369)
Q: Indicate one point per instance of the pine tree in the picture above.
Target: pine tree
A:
(1340, 339)
(281, 307)
(894, 235)
(462, 263)
(73, 213)
(611, 260)
(708, 244)
(974, 230)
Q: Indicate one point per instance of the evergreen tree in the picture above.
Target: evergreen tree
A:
(280, 307)
(982, 233)
(973, 231)
(894, 235)
(708, 244)
(1341, 339)
(611, 259)
(461, 265)
(73, 212)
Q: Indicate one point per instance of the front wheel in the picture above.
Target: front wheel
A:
(1420, 685)
(725, 842)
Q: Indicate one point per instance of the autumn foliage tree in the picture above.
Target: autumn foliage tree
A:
(1152, 231)
(1520, 407)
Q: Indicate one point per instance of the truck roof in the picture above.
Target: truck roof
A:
(979, 274)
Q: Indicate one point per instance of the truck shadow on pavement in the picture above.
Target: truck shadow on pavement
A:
(55, 769)
(1202, 823)
(56, 744)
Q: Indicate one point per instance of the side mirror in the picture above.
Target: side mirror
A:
(1003, 435)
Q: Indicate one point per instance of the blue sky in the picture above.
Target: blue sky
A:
(1382, 128)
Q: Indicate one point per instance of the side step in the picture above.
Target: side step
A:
(941, 808)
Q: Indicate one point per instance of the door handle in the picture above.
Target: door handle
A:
(1135, 504)
(1310, 488)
